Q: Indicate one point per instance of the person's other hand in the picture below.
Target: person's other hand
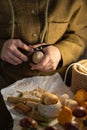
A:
(11, 54)
(50, 60)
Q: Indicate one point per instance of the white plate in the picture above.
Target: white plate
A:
(52, 83)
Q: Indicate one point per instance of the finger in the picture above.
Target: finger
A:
(13, 59)
(42, 64)
(19, 54)
(40, 67)
(46, 68)
(22, 45)
(39, 44)
(50, 66)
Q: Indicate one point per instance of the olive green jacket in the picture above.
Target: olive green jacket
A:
(62, 23)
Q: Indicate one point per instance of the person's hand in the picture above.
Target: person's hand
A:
(11, 54)
(50, 60)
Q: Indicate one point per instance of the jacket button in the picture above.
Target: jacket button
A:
(34, 34)
(33, 11)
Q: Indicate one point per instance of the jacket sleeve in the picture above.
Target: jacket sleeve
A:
(74, 42)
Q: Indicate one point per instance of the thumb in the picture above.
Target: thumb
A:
(23, 46)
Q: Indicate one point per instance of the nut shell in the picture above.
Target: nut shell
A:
(37, 56)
